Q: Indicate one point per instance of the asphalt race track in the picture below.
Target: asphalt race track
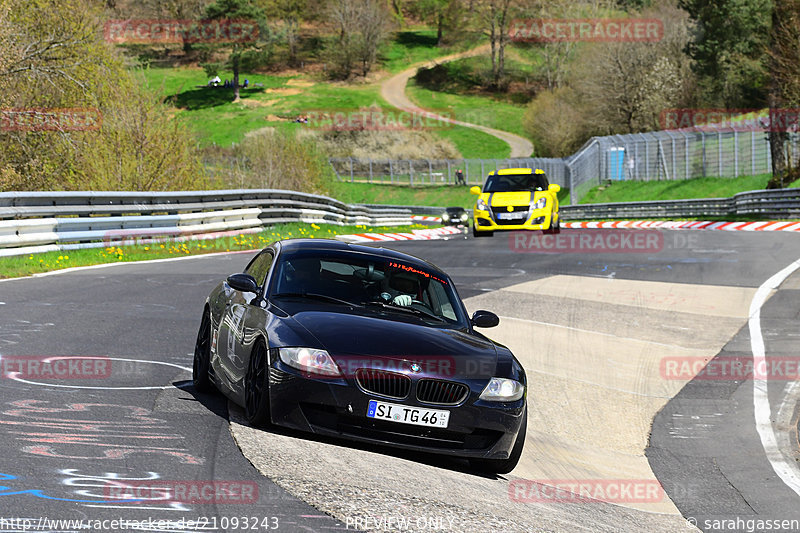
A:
(606, 337)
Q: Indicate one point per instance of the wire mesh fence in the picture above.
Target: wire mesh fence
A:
(661, 155)
(438, 171)
(672, 155)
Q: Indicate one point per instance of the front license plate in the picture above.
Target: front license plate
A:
(510, 216)
(404, 414)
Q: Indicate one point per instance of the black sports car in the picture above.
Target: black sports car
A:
(364, 343)
(455, 216)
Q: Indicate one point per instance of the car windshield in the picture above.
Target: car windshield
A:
(515, 182)
(392, 288)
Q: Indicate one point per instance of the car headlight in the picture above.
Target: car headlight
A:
(540, 203)
(464, 217)
(445, 217)
(310, 360)
(502, 390)
(481, 205)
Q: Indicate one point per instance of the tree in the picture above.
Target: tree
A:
(730, 48)
(495, 17)
(52, 56)
(442, 13)
(291, 12)
(236, 10)
(556, 56)
(361, 26)
(626, 86)
(556, 122)
(784, 87)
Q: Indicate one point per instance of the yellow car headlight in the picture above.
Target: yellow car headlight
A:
(481, 205)
(540, 203)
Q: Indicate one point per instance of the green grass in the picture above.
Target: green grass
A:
(416, 46)
(638, 191)
(26, 265)
(210, 112)
(474, 144)
(436, 196)
(474, 109)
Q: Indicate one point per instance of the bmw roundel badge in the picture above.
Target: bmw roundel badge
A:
(415, 368)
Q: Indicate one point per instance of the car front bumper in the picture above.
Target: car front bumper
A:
(540, 219)
(338, 407)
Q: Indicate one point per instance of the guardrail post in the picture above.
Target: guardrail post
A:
(430, 170)
(370, 170)
(449, 177)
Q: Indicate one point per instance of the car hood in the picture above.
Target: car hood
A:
(357, 341)
(502, 199)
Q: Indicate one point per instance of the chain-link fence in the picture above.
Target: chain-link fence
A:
(672, 155)
(661, 155)
(438, 171)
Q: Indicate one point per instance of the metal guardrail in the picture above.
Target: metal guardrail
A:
(32, 222)
(776, 203)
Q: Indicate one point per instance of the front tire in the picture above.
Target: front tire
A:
(476, 233)
(504, 466)
(554, 230)
(256, 388)
(201, 364)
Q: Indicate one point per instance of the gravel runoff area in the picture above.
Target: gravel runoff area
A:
(371, 489)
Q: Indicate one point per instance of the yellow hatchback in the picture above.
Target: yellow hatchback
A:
(516, 199)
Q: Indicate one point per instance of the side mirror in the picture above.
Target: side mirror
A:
(554, 187)
(243, 283)
(485, 319)
(475, 190)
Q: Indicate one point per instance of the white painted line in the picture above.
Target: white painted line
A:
(15, 377)
(106, 265)
(787, 471)
(579, 330)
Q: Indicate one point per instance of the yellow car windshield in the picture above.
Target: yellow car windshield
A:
(516, 182)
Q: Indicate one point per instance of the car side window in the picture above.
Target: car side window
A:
(259, 267)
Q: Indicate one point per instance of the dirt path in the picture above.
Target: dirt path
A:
(393, 91)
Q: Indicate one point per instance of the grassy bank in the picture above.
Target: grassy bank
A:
(438, 196)
(639, 191)
(25, 265)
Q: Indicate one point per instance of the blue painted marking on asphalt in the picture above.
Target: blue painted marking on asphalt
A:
(8, 491)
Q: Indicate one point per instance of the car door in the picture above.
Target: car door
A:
(235, 339)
